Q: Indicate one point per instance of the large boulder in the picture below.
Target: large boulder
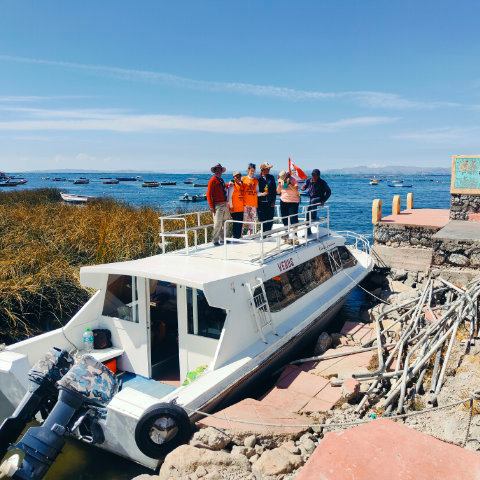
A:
(186, 460)
(210, 438)
(277, 462)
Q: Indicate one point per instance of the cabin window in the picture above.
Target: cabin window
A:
(348, 260)
(121, 298)
(203, 319)
(287, 287)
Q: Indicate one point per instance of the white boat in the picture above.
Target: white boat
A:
(374, 181)
(193, 198)
(69, 198)
(189, 329)
(399, 184)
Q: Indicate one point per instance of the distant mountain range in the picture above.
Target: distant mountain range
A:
(389, 170)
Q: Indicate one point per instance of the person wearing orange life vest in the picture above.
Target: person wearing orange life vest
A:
(236, 202)
(251, 194)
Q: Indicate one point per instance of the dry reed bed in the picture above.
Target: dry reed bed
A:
(43, 242)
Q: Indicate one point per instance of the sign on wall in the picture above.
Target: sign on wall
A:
(465, 174)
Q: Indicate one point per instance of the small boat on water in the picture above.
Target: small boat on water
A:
(151, 184)
(374, 181)
(10, 182)
(81, 181)
(111, 181)
(78, 199)
(189, 181)
(193, 198)
(178, 333)
(200, 185)
(399, 184)
(127, 179)
(59, 179)
(167, 184)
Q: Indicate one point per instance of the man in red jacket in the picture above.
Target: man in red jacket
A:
(217, 199)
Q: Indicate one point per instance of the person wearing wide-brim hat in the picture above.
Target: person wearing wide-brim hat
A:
(217, 200)
(236, 202)
(267, 195)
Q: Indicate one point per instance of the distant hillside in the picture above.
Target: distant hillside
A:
(390, 170)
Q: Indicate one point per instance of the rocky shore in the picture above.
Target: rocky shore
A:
(243, 452)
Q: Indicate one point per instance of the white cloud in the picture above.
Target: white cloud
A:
(371, 99)
(440, 135)
(118, 121)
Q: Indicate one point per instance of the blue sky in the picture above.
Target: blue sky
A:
(158, 85)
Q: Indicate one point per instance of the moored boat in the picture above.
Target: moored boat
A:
(111, 181)
(399, 184)
(187, 330)
(374, 181)
(200, 185)
(78, 199)
(81, 181)
(127, 179)
(10, 182)
(193, 198)
(151, 184)
(189, 181)
(165, 184)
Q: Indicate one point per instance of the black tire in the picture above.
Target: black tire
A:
(177, 436)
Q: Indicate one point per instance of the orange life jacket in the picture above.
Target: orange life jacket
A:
(251, 195)
(238, 200)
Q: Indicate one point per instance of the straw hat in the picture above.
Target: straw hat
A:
(235, 173)
(265, 166)
(282, 174)
(217, 166)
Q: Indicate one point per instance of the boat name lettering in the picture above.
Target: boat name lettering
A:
(285, 264)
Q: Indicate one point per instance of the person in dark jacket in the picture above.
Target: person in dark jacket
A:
(266, 203)
(318, 191)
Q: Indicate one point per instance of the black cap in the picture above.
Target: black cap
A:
(316, 171)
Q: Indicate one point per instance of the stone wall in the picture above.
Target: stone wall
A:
(395, 235)
(461, 205)
(460, 254)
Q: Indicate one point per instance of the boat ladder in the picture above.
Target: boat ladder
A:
(261, 308)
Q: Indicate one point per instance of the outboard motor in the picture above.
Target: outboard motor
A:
(84, 392)
(41, 396)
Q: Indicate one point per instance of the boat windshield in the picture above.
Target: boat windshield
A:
(121, 298)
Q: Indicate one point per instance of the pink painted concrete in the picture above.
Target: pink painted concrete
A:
(344, 366)
(358, 332)
(474, 217)
(425, 217)
(255, 411)
(385, 450)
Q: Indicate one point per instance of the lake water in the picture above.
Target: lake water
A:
(350, 204)
(350, 209)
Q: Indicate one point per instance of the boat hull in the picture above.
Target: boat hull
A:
(261, 375)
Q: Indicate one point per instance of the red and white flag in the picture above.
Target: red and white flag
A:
(296, 172)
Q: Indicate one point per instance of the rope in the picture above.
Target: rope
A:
(475, 395)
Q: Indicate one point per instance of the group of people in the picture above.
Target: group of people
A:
(251, 198)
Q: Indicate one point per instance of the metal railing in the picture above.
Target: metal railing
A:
(185, 229)
(288, 232)
(286, 226)
(356, 240)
